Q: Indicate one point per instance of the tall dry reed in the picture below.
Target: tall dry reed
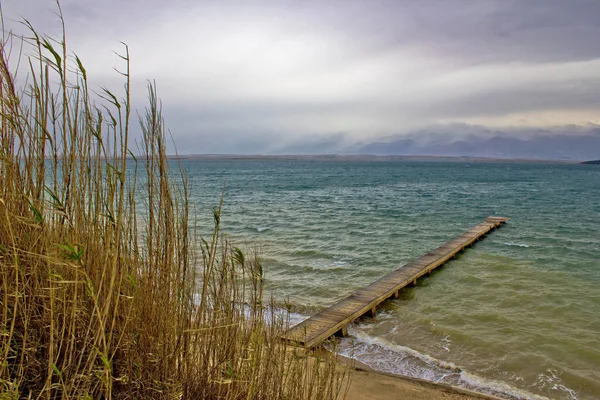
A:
(105, 292)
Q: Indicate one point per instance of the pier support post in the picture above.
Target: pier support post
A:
(371, 313)
(396, 294)
(342, 332)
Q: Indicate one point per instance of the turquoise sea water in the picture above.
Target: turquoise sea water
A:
(518, 315)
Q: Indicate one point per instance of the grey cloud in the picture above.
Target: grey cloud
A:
(557, 143)
(218, 143)
(476, 31)
(322, 144)
(270, 76)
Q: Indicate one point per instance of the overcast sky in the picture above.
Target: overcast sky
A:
(329, 76)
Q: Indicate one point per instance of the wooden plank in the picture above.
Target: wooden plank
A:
(336, 318)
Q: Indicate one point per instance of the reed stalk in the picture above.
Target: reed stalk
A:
(105, 290)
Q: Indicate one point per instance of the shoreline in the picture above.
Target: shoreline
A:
(369, 383)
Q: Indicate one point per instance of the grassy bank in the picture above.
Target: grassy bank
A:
(105, 291)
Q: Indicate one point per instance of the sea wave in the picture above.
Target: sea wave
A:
(516, 244)
(550, 379)
(384, 356)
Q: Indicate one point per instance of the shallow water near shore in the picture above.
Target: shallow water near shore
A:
(518, 315)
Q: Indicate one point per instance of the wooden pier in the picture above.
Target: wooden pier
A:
(335, 319)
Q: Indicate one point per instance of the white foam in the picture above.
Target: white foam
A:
(262, 228)
(550, 379)
(447, 342)
(388, 357)
(382, 355)
(404, 351)
(496, 387)
(516, 244)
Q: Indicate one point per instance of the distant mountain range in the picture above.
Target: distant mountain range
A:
(551, 146)
(592, 162)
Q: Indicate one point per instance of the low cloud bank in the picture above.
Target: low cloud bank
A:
(558, 143)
